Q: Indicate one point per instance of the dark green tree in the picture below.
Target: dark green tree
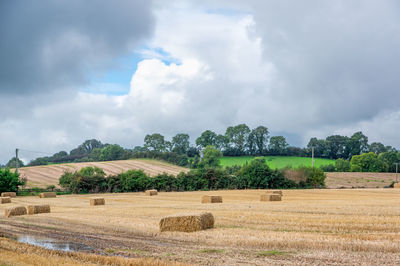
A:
(277, 145)
(12, 163)
(111, 152)
(207, 138)
(180, 143)
(155, 142)
(258, 140)
(238, 137)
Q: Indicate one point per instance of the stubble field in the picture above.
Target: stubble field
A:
(327, 227)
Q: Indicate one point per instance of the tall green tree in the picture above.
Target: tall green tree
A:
(12, 163)
(377, 147)
(238, 136)
(211, 157)
(320, 147)
(155, 142)
(336, 146)
(258, 140)
(357, 144)
(180, 143)
(112, 152)
(207, 138)
(277, 145)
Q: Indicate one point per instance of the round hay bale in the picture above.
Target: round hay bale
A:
(35, 209)
(15, 211)
(97, 201)
(187, 222)
(4, 200)
(151, 192)
(396, 185)
(211, 199)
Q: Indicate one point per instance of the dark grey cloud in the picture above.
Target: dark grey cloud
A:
(53, 45)
(340, 57)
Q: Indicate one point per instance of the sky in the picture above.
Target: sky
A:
(118, 70)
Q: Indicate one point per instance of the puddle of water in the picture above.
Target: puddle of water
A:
(53, 244)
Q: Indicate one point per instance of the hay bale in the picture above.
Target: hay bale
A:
(187, 222)
(396, 185)
(9, 194)
(211, 199)
(48, 195)
(270, 197)
(97, 201)
(4, 200)
(151, 192)
(15, 211)
(279, 192)
(35, 209)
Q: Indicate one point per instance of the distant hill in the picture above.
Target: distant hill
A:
(277, 161)
(44, 175)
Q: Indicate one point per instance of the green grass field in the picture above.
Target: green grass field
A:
(277, 161)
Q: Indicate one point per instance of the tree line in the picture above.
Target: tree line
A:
(255, 175)
(237, 140)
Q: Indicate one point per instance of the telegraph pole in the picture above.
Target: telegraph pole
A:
(312, 156)
(16, 161)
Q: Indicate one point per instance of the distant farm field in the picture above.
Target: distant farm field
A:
(44, 175)
(277, 162)
(308, 227)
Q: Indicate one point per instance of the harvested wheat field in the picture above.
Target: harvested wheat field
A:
(309, 227)
(44, 175)
(359, 180)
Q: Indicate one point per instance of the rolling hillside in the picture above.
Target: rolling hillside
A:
(44, 175)
(277, 161)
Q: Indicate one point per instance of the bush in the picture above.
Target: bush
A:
(342, 165)
(257, 174)
(9, 181)
(87, 180)
(328, 168)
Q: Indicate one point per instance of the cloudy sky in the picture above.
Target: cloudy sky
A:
(117, 70)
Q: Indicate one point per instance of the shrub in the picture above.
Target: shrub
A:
(9, 181)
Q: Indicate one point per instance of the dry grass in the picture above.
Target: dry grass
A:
(187, 222)
(4, 200)
(15, 211)
(336, 226)
(36, 209)
(14, 253)
(211, 199)
(9, 194)
(396, 185)
(359, 180)
(44, 175)
(48, 195)
(97, 201)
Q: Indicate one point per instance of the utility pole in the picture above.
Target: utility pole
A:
(16, 161)
(397, 166)
(312, 156)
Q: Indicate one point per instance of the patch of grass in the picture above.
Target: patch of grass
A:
(267, 253)
(109, 250)
(276, 162)
(211, 250)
